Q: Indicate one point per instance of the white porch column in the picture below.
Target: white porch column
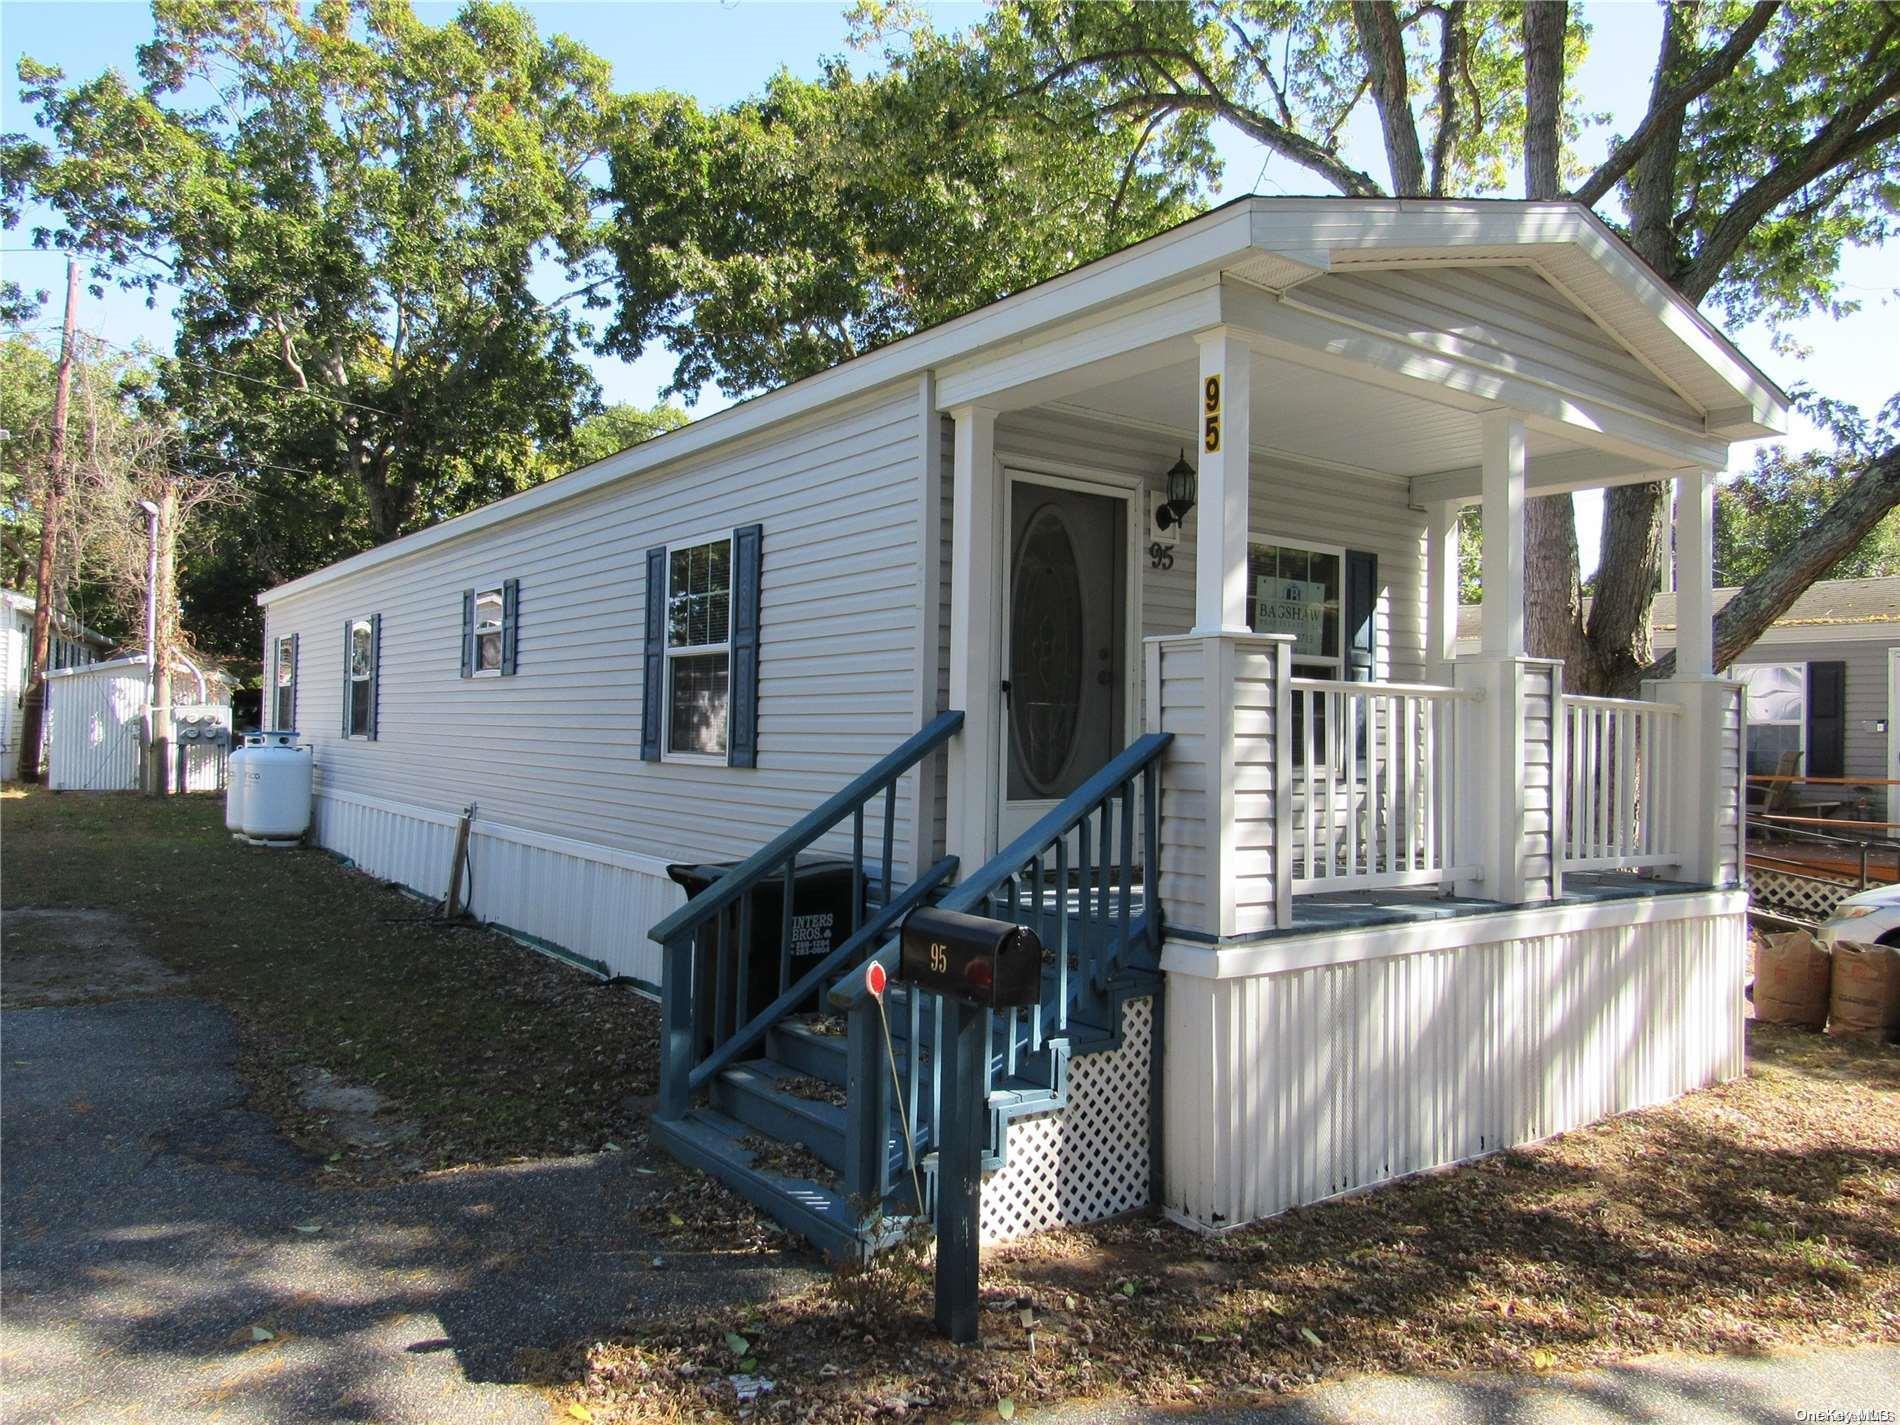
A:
(975, 598)
(1705, 777)
(1441, 589)
(1509, 738)
(1502, 441)
(1220, 548)
(1695, 575)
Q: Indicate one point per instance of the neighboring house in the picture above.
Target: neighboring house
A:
(1823, 682)
(936, 612)
(73, 645)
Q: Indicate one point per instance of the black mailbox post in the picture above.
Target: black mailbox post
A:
(977, 965)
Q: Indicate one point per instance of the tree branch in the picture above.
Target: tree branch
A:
(1664, 108)
(1770, 594)
(1257, 125)
(1838, 142)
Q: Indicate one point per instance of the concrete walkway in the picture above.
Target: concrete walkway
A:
(153, 1227)
(1844, 1385)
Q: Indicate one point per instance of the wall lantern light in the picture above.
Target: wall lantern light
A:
(1180, 494)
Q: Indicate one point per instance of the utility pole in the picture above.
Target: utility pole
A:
(33, 707)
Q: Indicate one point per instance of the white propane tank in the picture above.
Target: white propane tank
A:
(276, 799)
(234, 784)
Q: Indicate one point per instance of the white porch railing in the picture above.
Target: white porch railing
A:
(1617, 815)
(1373, 776)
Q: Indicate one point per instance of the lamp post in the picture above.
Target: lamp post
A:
(154, 764)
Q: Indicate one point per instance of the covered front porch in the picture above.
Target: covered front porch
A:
(1280, 592)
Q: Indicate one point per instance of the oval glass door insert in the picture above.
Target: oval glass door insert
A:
(1045, 649)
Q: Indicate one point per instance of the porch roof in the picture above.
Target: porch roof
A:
(1260, 250)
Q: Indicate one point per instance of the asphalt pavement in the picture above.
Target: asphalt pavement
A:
(169, 1256)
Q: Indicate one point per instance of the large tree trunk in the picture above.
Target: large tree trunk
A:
(1545, 22)
(1553, 592)
(1382, 43)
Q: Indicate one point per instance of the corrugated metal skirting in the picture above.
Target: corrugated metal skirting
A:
(1324, 1080)
(591, 902)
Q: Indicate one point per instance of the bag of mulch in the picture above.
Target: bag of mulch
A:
(1791, 980)
(1866, 996)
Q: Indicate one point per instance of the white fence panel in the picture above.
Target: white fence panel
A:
(1618, 810)
(1374, 783)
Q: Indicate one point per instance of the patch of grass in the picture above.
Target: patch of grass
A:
(1764, 1212)
(493, 1051)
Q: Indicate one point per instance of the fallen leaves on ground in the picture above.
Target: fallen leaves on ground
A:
(1765, 1212)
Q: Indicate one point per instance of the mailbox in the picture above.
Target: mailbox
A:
(992, 963)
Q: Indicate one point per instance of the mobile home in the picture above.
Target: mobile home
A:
(1124, 607)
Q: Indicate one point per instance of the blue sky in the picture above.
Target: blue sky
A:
(722, 52)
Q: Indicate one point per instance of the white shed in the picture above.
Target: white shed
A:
(73, 646)
(94, 714)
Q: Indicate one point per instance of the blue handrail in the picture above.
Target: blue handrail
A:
(704, 989)
(1081, 900)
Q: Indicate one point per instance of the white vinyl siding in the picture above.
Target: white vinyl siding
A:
(1289, 504)
(556, 749)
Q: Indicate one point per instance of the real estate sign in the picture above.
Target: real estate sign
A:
(1295, 606)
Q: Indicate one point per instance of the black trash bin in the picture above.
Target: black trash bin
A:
(821, 921)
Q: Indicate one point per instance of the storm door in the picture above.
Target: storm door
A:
(1066, 648)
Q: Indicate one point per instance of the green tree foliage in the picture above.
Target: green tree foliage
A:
(777, 237)
(1759, 513)
(26, 402)
(610, 431)
(350, 209)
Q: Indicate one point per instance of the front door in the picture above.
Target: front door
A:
(1066, 650)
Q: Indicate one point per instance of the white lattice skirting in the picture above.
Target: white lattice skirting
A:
(1088, 1161)
(1804, 897)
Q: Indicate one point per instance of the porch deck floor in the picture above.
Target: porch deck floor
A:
(1357, 910)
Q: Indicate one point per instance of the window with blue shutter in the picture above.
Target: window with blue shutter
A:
(284, 685)
(702, 650)
(489, 617)
(747, 557)
(653, 663)
(362, 653)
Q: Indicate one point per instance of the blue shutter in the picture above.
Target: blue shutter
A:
(1360, 611)
(347, 729)
(375, 670)
(296, 673)
(510, 616)
(468, 633)
(653, 678)
(1827, 720)
(742, 745)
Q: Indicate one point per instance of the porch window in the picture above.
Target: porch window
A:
(698, 648)
(1296, 590)
(1777, 713)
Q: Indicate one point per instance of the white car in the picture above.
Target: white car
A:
(1871, 917)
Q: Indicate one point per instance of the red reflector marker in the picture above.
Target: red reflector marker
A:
(875, 979)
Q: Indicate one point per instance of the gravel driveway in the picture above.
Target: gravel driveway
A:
(170, 1257)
